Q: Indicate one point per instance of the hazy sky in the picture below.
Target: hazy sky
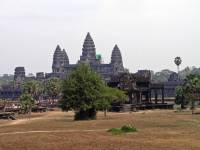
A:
(150, 33)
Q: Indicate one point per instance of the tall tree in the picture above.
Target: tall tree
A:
(180, 99)
(34, 88)
(178, 62)
(81, 90)
(108, 96)
(27, 102)
(53, 87)
(191, 89)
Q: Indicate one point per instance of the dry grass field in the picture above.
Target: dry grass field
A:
(157, 130)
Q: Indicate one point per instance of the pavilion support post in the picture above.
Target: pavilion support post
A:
(163, 97)
(137, 98)
(150, 96)
(156, 96)
(140, 97)
(147, 97)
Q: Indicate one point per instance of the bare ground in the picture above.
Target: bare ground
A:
(157, 130)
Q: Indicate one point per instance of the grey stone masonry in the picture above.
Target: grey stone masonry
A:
(61, 66)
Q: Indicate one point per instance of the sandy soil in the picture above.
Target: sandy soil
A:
(56, 130)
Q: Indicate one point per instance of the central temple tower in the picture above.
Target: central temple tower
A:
(60, 60)
(88, 50)
(61, 66)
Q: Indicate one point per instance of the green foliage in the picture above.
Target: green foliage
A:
(115, 131)
(53, 87)
(26, 102)
(83, 90)
(34, 88)
(123, 129)
(110, 95)
(190, 89)
(128, 128)
(180, 98)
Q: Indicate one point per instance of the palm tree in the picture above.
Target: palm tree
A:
(53, 88)
(34, 88)
(178, 62)
(27, 102)
(191, 88)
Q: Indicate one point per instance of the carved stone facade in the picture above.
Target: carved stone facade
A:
(19, 76)
(170, 86)
(62, 67)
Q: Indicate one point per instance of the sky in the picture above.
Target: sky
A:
(149, 33)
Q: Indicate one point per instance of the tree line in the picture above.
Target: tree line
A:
(83, 91)
(189, 92)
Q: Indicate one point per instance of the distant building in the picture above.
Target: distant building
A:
(40, 76)
(111, 72)
(171, 84)
(61, 65)
(19, 76)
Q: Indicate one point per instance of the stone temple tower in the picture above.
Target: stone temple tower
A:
(19, 76)
(60, 60)
(116, 60)
(61, 66)
(65, 58)
(88, 50)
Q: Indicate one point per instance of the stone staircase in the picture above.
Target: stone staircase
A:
(126, 107)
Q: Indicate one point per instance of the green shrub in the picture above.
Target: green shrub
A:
(123, 129)
(128, 128)
(115, 131)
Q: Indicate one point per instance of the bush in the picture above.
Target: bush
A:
(128, 128)
(123, 129)
(115, 131)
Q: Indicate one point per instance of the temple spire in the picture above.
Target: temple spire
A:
(116, 55)
(60, 60)
(65, 58)
(88, 36)
(116, 60)
(58, 48)
(88, 50)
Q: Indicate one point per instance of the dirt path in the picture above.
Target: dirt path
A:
(48, 115)
(53, 131)
(54, 115)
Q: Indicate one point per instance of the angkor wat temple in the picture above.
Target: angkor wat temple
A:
(113, 73)
(61, 67)
(61, 64)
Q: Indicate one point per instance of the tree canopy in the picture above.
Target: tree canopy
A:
(53, 87)
(34, 88)
(84, 91)
(26, 102)
(190, 90)
(81, 89)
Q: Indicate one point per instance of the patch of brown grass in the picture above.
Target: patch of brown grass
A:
(157, 130)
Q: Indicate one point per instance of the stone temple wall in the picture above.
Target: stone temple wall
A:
(62, 67)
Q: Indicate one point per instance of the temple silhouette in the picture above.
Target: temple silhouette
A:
(62, 67)
(139, 86)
